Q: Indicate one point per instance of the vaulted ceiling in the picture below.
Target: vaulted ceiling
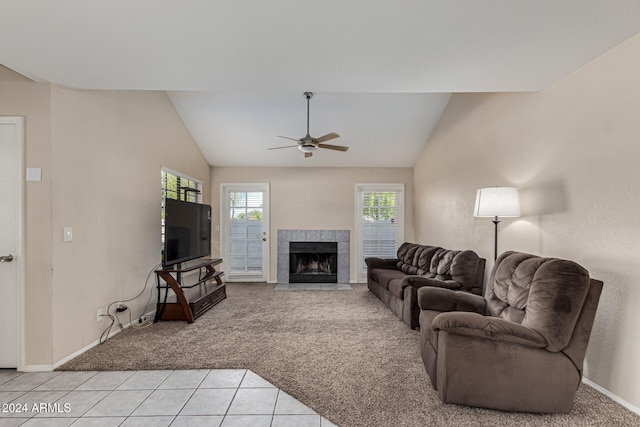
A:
(381, 71)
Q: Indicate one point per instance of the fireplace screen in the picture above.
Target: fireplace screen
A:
(313, 262)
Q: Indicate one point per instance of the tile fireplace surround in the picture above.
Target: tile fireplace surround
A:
(342, 237)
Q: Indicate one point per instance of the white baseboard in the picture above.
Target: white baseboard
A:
(41, 368)
(37, 368)
(611, 396)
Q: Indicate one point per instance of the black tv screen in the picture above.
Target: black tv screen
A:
(187, 231)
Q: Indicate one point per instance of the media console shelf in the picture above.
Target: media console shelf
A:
(196, 285)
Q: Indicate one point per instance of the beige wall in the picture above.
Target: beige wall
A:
(312, 198)
(101, 153)
(107, 152)
(573, 151)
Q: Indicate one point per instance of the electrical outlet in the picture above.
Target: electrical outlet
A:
(120, 307)
(99, 315)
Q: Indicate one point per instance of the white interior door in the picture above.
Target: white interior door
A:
(11, 146)
(245, 232)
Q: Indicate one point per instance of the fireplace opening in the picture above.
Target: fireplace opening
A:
(313, 262)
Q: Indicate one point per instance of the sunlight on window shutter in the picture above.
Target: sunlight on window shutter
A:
(381, 224)
(245, 210)
(177, 186)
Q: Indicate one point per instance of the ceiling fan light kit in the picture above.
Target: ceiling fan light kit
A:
(307, 148)
(309, 144)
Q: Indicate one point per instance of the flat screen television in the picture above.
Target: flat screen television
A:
(187, 231)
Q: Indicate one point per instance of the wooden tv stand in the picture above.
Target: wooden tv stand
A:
(196, 285)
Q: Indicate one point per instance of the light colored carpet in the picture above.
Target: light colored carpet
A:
(342, 353)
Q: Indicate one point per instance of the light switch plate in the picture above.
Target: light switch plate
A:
(34, 174)
(68, 234)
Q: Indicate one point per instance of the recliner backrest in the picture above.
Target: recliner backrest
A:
(544, 294)
(465, 267)
(414, 258)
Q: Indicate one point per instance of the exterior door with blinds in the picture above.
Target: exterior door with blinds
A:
(245, 227)
(379, 222)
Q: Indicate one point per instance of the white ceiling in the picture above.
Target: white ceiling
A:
(381, 71)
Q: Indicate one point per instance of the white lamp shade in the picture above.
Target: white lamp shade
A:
(496, 202)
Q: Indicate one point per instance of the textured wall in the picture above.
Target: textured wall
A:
(108, 148)
(573, 151)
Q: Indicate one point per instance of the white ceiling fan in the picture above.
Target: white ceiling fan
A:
(309, 144)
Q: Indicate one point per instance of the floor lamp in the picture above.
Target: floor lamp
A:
(497, 202)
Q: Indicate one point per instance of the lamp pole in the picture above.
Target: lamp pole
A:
(495, 239)
(496, 202)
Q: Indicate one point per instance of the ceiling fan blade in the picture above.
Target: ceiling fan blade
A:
(328, 137)
(277, 148)
(308, 155)
(286, 137)
(333, 147)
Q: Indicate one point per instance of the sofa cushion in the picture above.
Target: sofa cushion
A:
(384, 275)
(396, 288)
(465, 270)
(438, 263)
(441, 262)
(415, 259)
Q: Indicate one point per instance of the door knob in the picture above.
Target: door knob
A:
(6, 258)
(264, 239)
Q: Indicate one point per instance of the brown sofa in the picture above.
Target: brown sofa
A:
(519, 348)
(396, 281)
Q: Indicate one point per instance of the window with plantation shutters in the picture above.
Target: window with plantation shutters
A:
(245, 214)
(178, 186)
(379, 222)
(244, 231)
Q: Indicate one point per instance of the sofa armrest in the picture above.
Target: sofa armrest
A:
(420, 281)
(487, 327)
(441, 299)
(389, 263)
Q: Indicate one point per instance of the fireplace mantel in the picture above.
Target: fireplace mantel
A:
(342, 237)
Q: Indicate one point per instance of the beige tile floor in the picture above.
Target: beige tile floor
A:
(193, 398)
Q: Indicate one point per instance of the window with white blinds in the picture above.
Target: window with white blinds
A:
(379, 222)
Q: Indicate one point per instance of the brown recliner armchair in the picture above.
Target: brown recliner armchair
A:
(519, 348)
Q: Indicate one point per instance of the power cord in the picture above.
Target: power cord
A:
(114, 317)
(144, 311)
(105, 333)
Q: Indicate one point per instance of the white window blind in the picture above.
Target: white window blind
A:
(380, 220)
(245, 213)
